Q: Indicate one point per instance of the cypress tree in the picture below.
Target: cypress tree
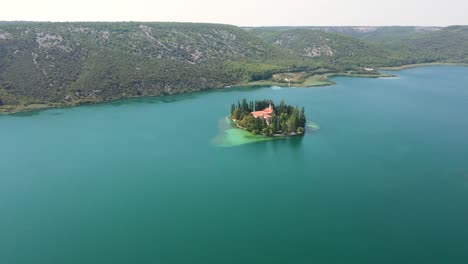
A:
(245, 106)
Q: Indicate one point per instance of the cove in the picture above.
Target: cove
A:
(166, 180)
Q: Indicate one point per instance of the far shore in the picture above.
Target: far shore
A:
(416, 65)
(9, 109)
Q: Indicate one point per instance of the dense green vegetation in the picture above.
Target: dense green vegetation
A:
(382, 34)
(285, 120)
(60, 64)
(428, 44)
(339, 52)
(449, 44)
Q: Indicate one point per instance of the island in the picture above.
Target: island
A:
(265, 118)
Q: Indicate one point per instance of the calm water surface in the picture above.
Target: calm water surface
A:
(385, 179)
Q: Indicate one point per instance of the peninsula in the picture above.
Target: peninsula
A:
(262, 117)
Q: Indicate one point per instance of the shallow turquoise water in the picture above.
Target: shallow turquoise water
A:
(384, 180)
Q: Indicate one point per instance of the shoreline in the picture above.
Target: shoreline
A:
(293, 134)
(10, 110)
(318, 80)
(417, 65)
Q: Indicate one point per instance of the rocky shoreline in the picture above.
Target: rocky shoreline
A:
(292, 134)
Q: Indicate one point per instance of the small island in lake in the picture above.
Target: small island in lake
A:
(263, 117)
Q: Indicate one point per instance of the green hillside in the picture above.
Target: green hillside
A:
(449, 44)
(387, 34)
(72, 63)
(337, 50)
(427, 44)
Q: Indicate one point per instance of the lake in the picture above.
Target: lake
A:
(167, 180)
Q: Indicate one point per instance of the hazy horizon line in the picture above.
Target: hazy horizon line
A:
(200, 22)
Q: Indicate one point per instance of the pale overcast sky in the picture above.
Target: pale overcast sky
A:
(245, 12)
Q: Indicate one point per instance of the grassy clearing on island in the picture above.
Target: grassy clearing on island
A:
(317, 80)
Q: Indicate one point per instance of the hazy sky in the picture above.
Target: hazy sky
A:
(245, 12)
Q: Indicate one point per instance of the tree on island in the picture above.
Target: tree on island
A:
(263, 117)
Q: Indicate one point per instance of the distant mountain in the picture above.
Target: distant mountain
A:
(373, 45)
(448, 44)
(383, 34)
(376, 34)
(337, 50)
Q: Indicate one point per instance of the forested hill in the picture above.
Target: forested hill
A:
(448, 44)
(379, 45)
(86, 62)
(58, 64)
(430, 43)
(337, 50)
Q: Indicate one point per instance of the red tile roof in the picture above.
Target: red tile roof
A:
(265, 113)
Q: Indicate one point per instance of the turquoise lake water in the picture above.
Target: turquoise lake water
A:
(166, 180)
